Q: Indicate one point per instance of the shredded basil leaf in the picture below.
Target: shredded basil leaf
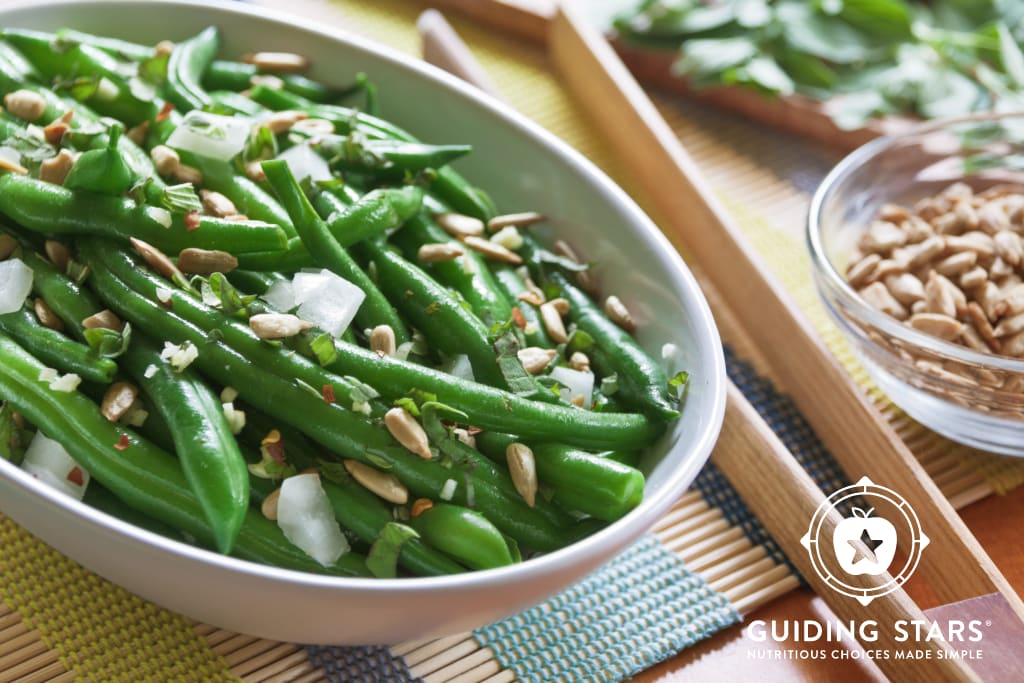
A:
(382, 560)
(108, 343)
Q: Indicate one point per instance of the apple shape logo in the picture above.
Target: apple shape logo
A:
(864, 544)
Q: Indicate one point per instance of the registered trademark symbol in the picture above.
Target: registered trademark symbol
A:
(988, 622)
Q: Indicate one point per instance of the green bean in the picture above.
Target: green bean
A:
(385, 159)
(70, 301)
(468, 274)
(123, 50)
(103, 170)
(209, 454)
(141, 475)
(596, 485)
(228, 102)
(99, 497)
(254, 281)
(55, 349)
(16, 66)
(185, 67)
(51, 209)
(464, 534)
(236, 76)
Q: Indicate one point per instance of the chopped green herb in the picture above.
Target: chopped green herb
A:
(382, 560)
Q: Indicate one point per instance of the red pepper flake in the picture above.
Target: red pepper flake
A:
(165, 111)
(518, 318)
(329, 394)
(75, 477)
(276, 451)
(191, 221)
(124, 443)
(419, 506)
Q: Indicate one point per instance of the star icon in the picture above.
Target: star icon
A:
(871, 543)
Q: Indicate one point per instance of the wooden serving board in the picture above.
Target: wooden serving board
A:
(796, 114)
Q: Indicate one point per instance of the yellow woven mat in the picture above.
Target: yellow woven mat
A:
(60, 622)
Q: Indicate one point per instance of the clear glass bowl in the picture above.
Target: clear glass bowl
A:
(969, 396)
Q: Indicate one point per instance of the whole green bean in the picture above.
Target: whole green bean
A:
(137, 472)
(185, 67)
(16, 66)
(582, 482)
(123, 50)
(237, 76)
(71, 302)
(54, 348)
(464, 534)
(51, 209)
(209, 455)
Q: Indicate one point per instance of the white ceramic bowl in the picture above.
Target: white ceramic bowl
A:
(524, 168)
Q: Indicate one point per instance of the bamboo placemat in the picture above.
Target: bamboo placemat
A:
(711, 532)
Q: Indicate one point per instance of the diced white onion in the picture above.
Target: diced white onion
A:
(107, 90)
(211, 135)
(160, 215)
(281, 296)
(326, 300)
(448, 490)
(459, 366)
(305, 163)
(136, 417)
(15, 284)
(305, 516)
(47, 461)
(164, 295)
(10, 154)
(228, 394)
(150, 371)
(403, 350)
(234, 417)
(48, 375)
(179, 357)
(66, 383)
(575, 383)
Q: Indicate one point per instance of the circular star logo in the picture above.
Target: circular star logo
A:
(866, 541)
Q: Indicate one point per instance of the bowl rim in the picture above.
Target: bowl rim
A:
(617, 534)
(835, 281)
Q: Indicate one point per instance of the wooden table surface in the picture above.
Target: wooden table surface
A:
(730, 656)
